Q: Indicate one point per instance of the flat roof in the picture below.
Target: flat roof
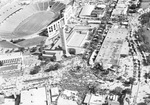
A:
(33, 96)
(76, 39)
(119, 11)
(87, 98)
(96, 100)
(110, 50)
(125, 48)
(86, 10)
(1, 99)
(54, 91)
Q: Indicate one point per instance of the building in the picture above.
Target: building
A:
(9, 101)
(120, 9)
(36, 96)
(11, 61)
(92, 99)
(77, 39)
(86, 11)
(54, 93)
(109, 53)
(54, 54)
(68, 97)
(2, 99)
(6, 101)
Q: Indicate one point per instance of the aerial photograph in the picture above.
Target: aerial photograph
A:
(74, 52)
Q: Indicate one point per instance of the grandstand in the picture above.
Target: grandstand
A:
(18, 21)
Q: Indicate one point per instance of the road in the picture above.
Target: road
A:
(134, 24)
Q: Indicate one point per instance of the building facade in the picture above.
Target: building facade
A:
(11, 61)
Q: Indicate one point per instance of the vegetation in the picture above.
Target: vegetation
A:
(127, 91)
(86, 45)
(117, 91)
(35, 70)
(97, 68)
(145, 20)
(72, 51)
(53, 67)
(147, 75)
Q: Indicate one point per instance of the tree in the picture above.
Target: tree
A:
(78, 67)
(126, 83)
(47, 60)
(117, 91)
(131, 80)
(98, 66)
(35, 70)
(86, 45)
(127, 91)
(53, 67)
(33, 49)
(72, 51)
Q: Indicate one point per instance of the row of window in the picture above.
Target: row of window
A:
(10, 61)
(55, 26)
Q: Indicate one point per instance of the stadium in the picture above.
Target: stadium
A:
(19, 21)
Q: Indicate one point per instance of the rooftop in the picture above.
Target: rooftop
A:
(87, 9)
(33, 96)
(110, 50)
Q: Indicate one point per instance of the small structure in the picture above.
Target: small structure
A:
(6, 101)
(92, 99)
(77, 39)
(86, 11)
(54, 93)
(9, 101)
(55, 54)
(2, 99)
(125, 49)
(68, 97)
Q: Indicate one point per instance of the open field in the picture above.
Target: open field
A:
(34, 23)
